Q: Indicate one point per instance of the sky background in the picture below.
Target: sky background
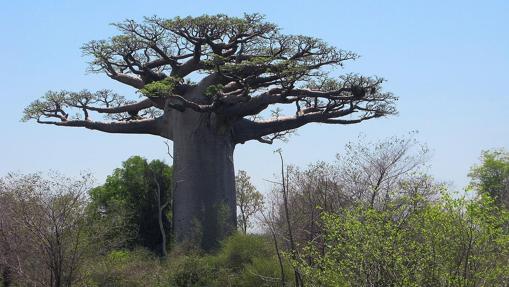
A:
(447, 61)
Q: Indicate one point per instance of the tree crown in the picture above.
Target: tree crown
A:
(236, 67)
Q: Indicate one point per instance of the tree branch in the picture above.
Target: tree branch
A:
(245, 130)
(146, 126)
(144, 104)
(132, 81)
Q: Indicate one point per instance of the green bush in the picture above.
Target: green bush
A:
(452, 242)
(188, 271)
(242, 260)
(125, 268)
(247, 260)
(265, 272)
(239, 250)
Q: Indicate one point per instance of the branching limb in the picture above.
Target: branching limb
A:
(326, 95)
(282, 135)
(128, 108)
(54, 104)
(146, 126)
(246, 130)
(129, 80)
(138, 118)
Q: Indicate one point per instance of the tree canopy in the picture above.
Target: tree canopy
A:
(233, 67)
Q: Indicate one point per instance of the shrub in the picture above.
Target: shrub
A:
(453, 242)
(125, 268)
(239, 250)
(247, 260)
(188, 271)
(265, 272)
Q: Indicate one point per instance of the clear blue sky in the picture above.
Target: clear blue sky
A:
(446, 60)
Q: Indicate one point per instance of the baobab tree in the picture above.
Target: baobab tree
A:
(207, 82)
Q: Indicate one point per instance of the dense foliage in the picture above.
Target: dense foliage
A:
(243, 260)
(130, 201)
(451, 242)
(492, 176)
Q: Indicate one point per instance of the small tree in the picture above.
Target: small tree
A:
(139, 195)
(249, 200)
(375, 172)
(492, 176)
(43, 225)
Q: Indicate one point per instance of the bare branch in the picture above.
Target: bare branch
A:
(168, 150)
(132, 81)
(146, 126)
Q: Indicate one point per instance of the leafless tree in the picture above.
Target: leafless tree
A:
(373, 172)
(294, 253)
(48, 216)
(268, 221)
(10, 242)
(312, 191)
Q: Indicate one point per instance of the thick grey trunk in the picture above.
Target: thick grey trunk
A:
(204, 179)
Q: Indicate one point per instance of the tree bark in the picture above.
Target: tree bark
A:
(6, 276)
(204, 178)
